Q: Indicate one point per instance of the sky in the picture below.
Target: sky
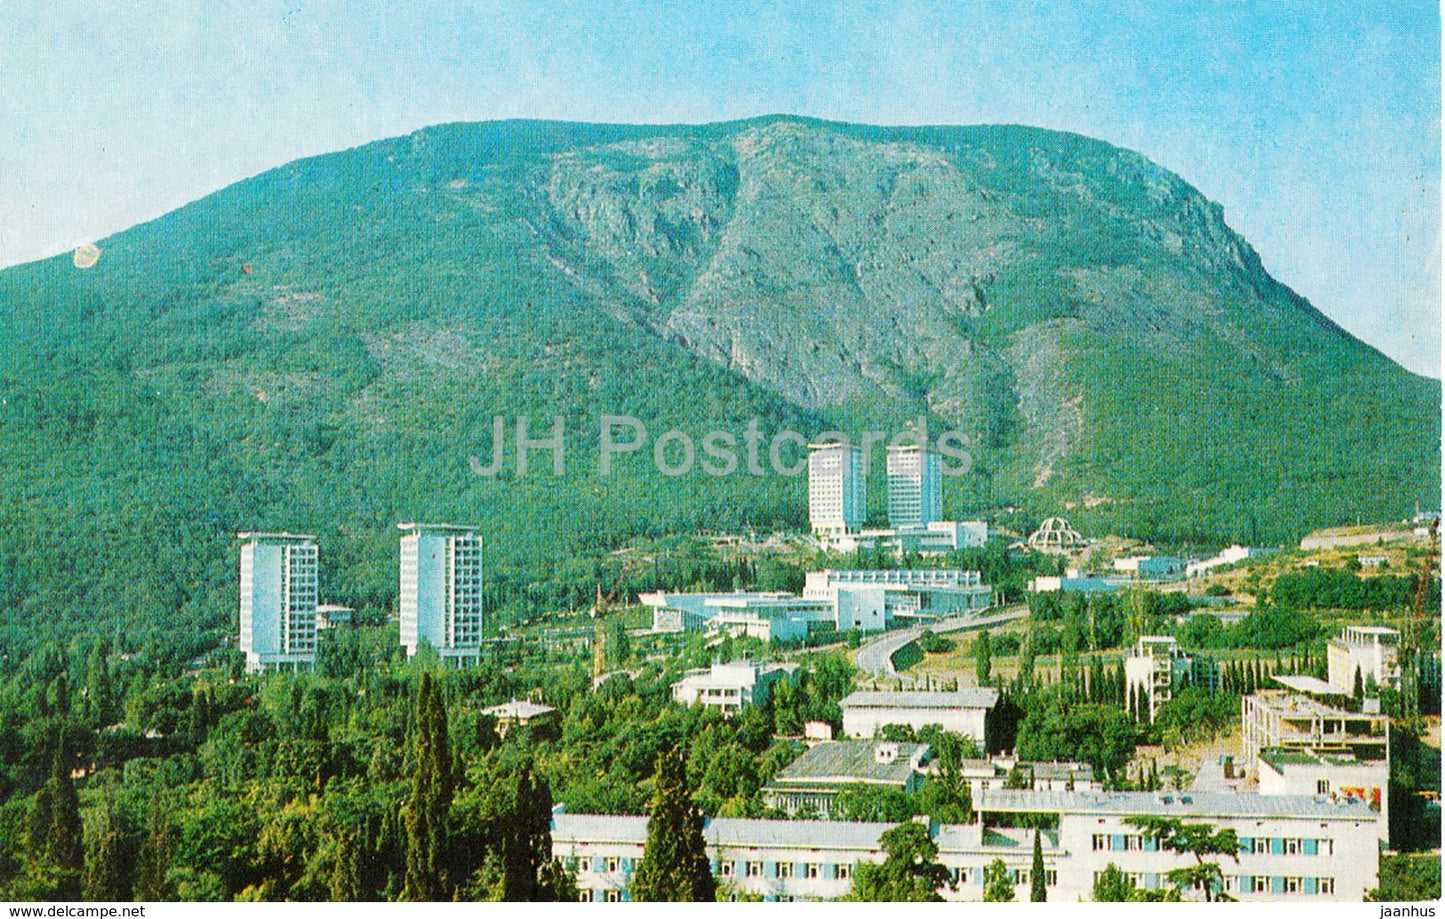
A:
(1315, 124)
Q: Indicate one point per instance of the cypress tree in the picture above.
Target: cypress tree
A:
(154, 858)
(674, 867)
(107, 869)
(56, 833)
(526, 837)
(1038, 887)
(431, 798)
(983, 659)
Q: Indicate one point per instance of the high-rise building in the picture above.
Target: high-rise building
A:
(837, 490)
(915, 486)
(441, 591)
(278, 601)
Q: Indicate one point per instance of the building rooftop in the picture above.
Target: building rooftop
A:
(435, 528)
(1281, 757)
(1307, 684)
(735, 832)
(518, 708)
(1294, 705)
(275, 537)
(980, 697)
(841, 762)
(1170, 804)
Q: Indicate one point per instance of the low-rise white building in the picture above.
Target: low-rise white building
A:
(1230, 556)
(963, 711)
(872, 600)
(1156, 667)
(813, 781)
(730, 687)
(1373, 651)
(1294, 849)
(1337, 776)
(937, 537)
(1150, 567)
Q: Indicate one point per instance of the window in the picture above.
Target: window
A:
(1292, 885)
(785, 869)
(810, 870)
(960, 875)
(612, 896)
(1322, 787)
(1101, 842)
(1051, 878)
(1261, 884)
(1325, 846)
(1327, 885)
(1021, 875)
(584, 896)
(612, 865)
(1133, 843)
(845, 872)
(1291, 847)
(1231, 883)
(755, 869)
(725, 869)
(1261, 845)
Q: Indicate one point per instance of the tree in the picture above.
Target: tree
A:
(910, 872)
(526, 831)
(1198, 840)
(998, 883)
(56, 832)
(674, 866)
(1038, 881)
(1113, 886)
(1026, 657)
(431, 798)
(154, 857)
(107, 868)
(982, 659)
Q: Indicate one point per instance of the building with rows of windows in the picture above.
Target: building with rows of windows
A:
(278, 601)
(1294, 848)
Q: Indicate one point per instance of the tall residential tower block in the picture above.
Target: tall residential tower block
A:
(278, 601)
(441, 591)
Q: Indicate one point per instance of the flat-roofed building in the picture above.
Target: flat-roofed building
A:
(963, 711)
(938, 537)
(876, 599)
(763, 615)
(731, 687)
(1150, 567)
(1337, 776)
(1005, 772)
(1294, 848)
(813, 781)
(915, 486)
(837, 490)
(278, 601)
(1156, 668)
(441, 591)
(1291, 721)
(1372, 651)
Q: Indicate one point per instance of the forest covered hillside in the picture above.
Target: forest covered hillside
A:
(323, 348)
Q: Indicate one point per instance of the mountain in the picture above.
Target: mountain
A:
(324, 348)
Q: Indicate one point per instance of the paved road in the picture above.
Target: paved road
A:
(876, 657)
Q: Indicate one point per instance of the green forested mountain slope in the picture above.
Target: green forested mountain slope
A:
(323, 348)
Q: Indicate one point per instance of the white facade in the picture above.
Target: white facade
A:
(762, 615)
(964, 711)
(730, 687)
(278, 601)
(441, 591)
(1230, 556)
(1153, 669)
(1275, 719)
(1337, 777)
(937, 537)
(1372, 650)
(1294, 849)
(1150, 566)
(876, 599)
(837, 489)
(915, 486)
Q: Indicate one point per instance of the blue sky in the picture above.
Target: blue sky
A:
(1316, 125)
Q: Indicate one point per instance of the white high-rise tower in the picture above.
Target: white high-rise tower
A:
(278, 601)
(837, 489)
(441, 591)
(915, 486)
